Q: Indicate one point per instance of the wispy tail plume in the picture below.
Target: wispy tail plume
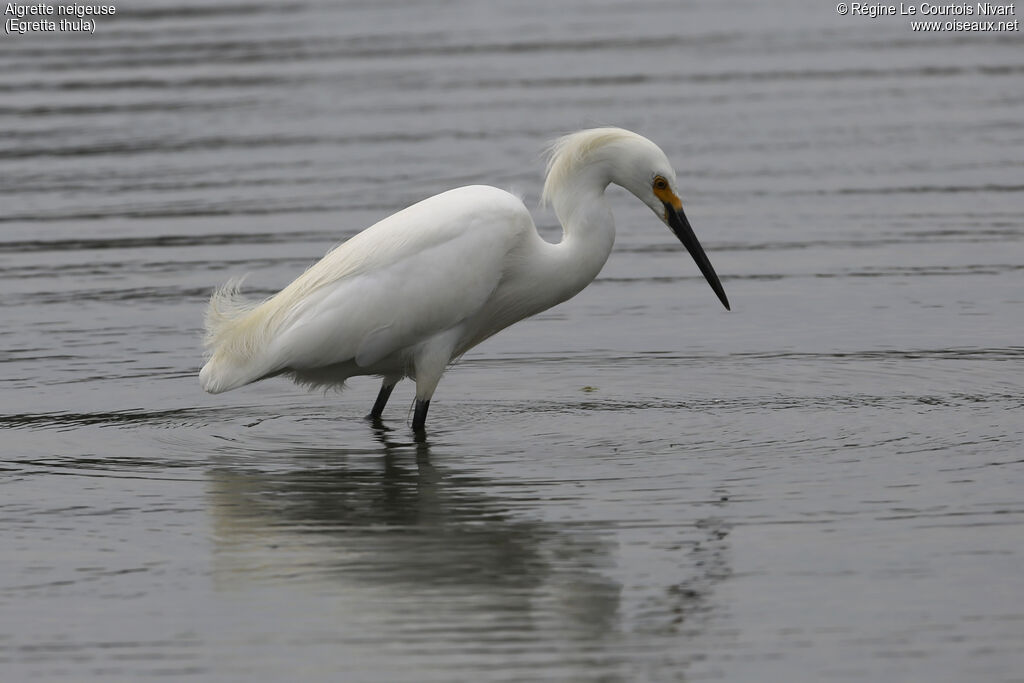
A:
(233, 340)
(226, 307)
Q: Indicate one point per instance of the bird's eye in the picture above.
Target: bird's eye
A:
(660, 183)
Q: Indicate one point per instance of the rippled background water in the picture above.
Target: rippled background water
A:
(824, 484)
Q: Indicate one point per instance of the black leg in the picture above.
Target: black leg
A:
(419, 418)
(382, 400)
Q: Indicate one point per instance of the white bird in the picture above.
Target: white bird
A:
(412, 293)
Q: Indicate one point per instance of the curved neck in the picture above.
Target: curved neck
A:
(588, 234)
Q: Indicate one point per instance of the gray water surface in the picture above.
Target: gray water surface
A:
(826, 484)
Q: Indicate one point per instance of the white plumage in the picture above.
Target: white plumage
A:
(410, 294)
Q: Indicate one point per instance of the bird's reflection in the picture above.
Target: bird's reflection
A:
(431, 541)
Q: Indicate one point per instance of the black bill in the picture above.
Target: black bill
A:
(681, 227)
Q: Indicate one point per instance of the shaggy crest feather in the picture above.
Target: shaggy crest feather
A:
(569, 153)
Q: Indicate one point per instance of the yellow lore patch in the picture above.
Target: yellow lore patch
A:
(663, 192)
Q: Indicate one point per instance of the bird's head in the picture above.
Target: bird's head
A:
(637, 164)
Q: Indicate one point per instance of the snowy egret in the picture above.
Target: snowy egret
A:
(412, 293)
